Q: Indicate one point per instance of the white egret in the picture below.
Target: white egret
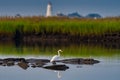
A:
(55, 57)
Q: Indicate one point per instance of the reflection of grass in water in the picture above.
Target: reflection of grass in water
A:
(71, 51)
(87, 51)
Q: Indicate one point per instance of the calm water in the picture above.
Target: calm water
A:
(107, 69)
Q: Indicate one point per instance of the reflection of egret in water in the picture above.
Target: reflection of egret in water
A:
(58, 75)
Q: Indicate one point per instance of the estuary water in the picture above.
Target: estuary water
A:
(107, 69)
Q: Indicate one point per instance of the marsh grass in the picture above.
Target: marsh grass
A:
(53, 25)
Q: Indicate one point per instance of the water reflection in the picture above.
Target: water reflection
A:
(59, 76)
(70, 49)
(74, 64)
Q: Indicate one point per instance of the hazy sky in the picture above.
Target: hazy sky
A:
(38, 7)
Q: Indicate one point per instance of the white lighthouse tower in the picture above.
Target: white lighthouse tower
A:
(49, 10)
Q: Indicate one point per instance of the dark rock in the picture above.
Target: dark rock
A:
(90, 61)
(57, 67)
(72, 61)
(40, 64)
(33, 66)
(37, 64)
(3, 64)
(10, 63)
(80, 61)
(1, 61)
(9, 59)
(23, 65)
(15, 59)
(37, 60)
(20, 60)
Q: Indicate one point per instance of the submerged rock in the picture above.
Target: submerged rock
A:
(57, 67)
(80, 61)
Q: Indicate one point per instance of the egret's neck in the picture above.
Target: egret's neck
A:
(58, 53)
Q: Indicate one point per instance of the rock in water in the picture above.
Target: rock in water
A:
(23, 65)
(80, 61)
(57, 67)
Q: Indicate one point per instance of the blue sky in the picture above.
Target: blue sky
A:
(38, 7)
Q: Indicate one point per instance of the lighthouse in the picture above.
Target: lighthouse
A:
(49, 10)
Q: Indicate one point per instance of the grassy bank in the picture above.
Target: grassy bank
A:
(54, 25)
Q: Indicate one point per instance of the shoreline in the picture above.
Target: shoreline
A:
(115, 36)
(108, 40)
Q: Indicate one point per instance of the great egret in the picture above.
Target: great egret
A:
(55, 57)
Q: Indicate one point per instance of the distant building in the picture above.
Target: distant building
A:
(18, 15)
(94, 16)
(49, 10)
(61, 15)
(74, 15)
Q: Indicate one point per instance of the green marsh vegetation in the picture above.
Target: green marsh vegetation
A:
(53, 25)
(56, 25)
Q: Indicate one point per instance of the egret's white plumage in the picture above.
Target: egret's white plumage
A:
(55, 57)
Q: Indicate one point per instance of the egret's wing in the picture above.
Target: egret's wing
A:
(54, 58)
